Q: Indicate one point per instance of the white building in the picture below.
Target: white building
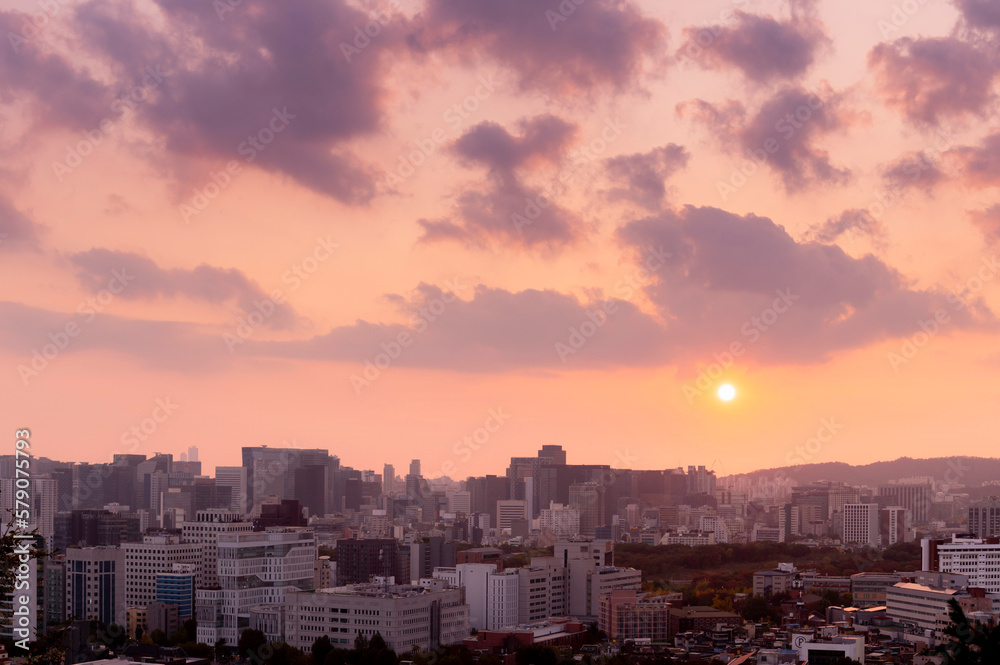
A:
(257, 568)
(406, 616)
(95, 584)
(841, 646)
(690, 538)
(43, 497)
(205, 531)
(861, 524)
(920, 607)
(977, 558)
(492, 596)
(560, 520)
(460, 501)
(155, 554)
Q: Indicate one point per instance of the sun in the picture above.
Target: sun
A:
(726, 392)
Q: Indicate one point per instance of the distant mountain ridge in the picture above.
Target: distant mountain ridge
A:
(970, 471)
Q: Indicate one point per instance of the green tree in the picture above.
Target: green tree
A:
(159, 637)
(221, 651)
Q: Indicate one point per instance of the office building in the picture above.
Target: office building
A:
(205, 530)
(630, 615)
(861, 524)
(236, 479)
(914, 497)
(407, 617)
(358, 561)
(161, 616)
(154, 555)
(977, 558)
(177, 587)
(95, 584)
(278, 561)
(562, 521)
(894, 526)
(588, 499)
(984, 518)
(509, 510)
(868, 589)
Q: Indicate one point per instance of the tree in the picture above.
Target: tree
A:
(196, 649)
(970, 643)
(320, 648)
(377, 642)
(159, 637)
(360, 642)
(222, 651)
(757, 608)
(250, 643)
(536, 654)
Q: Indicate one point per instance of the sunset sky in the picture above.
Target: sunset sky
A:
(369, 226)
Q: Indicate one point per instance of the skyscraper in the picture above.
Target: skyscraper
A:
(984, 518)
(415, 467)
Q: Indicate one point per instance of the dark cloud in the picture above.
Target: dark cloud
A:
(854, 221)
(161, 345)
(763, 48)
(933, 79)
(203, 283)
(920, 169)
(983, 14)
(979, 165)
(282, 87)
(17, 230)
(495, 330)
(783, 133)
(726, 271)
(641, 177)
(56, 92)
(988, 222)
(555, 47)
(507, 211)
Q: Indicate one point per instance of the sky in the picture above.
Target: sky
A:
(460, 230)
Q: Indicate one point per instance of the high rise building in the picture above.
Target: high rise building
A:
(205, 530)
(235, 478)
(95, 528)
(154, 555)
(415, 467)
(894, 525)
(95, 584)
(177, 587)
(509, 510)
(271, 473)
(358, 561)
(560, 520)
(588, 499)
(914, 497)
(984, 518)
(861, 524)
(43, 500)
(254, 569)
(388, 479)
